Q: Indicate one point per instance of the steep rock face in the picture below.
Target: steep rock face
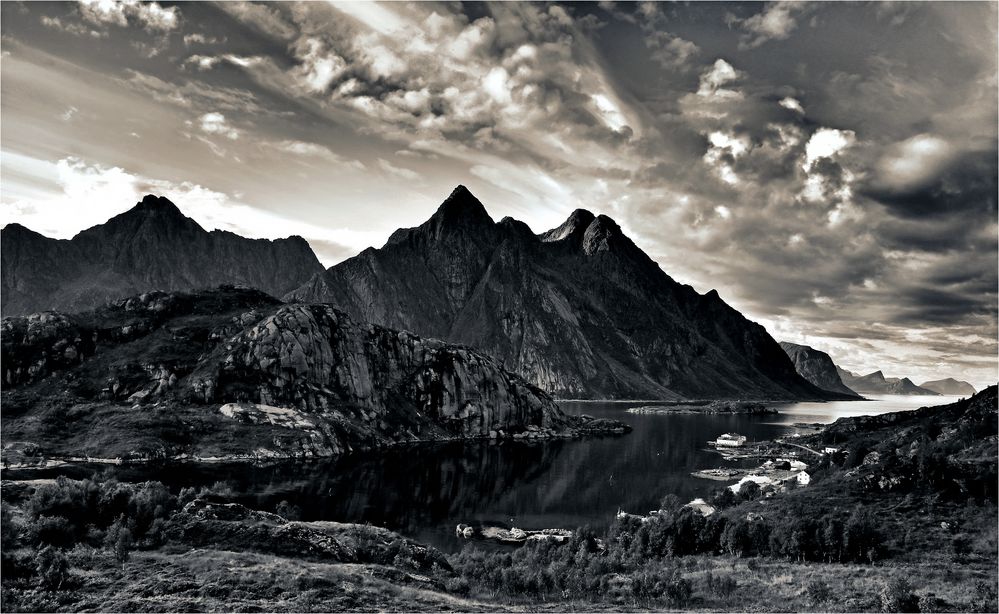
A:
(317, 359)
(877, 383)
(579, 311)
(153, 246)
(815, 366)
(234, 373)
(949, 386)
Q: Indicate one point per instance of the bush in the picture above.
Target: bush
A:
(288, 511)
(658, 583)
(897, 596)
(818, 592)
(52, 567)
(52, 531)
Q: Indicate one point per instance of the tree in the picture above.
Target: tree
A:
(52, 567)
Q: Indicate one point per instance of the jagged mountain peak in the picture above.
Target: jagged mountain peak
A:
(152, 202)
(604, 234)
(572, 228)
(461, 207)
(876, 375)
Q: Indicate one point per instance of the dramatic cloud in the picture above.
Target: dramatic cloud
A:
(830, 168)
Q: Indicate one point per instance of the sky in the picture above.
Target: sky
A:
(829, 168)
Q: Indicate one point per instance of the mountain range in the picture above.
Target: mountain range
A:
(579, 310)
(152, 246)
(877, 383)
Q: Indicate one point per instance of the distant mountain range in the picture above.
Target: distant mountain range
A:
(817, 367)
(579, 310)
(152, 246)
(949, 386)
(877, 383)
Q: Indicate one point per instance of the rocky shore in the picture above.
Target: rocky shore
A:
(752, 408)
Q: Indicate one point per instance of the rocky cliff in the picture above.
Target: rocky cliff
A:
(816, 367)
(949, 386)
(877, 383)
(579, 311)
(153, 246)
(234, 373)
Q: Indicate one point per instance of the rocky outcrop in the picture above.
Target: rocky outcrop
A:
(816, 366)
(205, 523)
(153, 246)
(877, 383)
(949, 386)
(232, 373)
(579, 311)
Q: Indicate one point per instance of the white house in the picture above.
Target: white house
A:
(731, 440)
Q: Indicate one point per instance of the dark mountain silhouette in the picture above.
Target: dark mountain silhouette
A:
(152, 246)
(949, 386)
(579, 310)
(877, 383)
(816, 366)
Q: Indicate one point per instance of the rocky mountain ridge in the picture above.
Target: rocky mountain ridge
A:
(233, 372)
(152, 246)
(579, 311)
(816, 366)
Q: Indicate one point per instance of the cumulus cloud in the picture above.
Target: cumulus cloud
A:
(150, 15)
(215, 123)
(776, 21)
(669, 50)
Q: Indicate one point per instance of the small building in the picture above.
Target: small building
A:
(830, 450)
(731, 440)
(701, 506)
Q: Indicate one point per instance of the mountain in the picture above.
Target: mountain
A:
(816, 366)
(949, 386)
(234, 373)
(579, 311)
(877, 383)
(152, 246)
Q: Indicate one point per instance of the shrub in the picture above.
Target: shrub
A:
(288, 511)
(897, 596)
(818, 592)
(52, 567)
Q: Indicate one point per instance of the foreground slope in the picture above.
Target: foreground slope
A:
(579, 311)
(152, 246)
(816, 367)
(234, 373)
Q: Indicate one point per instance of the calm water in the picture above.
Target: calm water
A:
(423, 492)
